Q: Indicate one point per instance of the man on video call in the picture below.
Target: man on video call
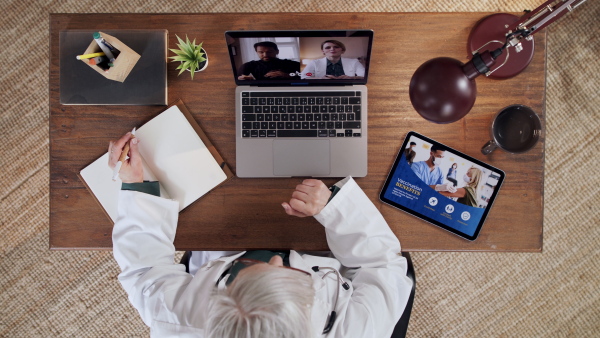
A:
(269, 67)
(429, 171)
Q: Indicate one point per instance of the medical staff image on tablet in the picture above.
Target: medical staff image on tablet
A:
(442, 186)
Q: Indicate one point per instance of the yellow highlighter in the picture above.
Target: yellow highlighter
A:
(89, 56)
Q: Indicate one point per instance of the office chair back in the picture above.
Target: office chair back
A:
(402, 325)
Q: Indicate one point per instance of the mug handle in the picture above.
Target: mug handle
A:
(489, 147)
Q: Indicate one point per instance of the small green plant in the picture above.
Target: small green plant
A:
(189, 54)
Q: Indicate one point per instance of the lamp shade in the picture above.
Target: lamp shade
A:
(441, 92)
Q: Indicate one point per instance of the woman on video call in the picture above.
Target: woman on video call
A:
(333, 65)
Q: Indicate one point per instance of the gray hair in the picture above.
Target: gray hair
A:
(274, 302)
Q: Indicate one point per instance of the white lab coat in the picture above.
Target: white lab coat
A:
(173, 303)
(318, 68)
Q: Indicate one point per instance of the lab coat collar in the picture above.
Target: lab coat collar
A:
(216, 268)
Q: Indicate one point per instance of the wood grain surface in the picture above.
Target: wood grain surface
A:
(247, 213)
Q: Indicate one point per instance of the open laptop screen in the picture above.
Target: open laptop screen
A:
(338, 57)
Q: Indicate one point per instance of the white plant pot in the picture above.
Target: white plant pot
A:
(205, 63)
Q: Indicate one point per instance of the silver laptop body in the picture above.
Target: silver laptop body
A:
(305, 129)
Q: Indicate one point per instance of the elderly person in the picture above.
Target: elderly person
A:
(333, 65)
(360, 290)
(467, 195)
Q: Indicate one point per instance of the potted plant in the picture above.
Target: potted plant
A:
(192, 56)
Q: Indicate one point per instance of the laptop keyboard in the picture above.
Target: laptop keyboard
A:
(301, 114)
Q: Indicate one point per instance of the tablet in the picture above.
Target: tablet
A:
(442, 186)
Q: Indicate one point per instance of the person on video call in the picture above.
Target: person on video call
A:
(268, 67)
(468, 194)
(429, 171)
(333, 65)
(363, 279)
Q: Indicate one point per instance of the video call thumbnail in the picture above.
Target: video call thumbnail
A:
(300, 58)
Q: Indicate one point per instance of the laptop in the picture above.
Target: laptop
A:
(301, 102)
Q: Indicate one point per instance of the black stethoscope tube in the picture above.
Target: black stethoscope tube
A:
(345, 285)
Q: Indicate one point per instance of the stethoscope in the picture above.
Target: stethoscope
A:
(332, 316)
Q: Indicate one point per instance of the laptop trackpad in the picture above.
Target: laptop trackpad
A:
(301, 158)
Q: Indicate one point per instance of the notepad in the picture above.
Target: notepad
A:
(175, 152)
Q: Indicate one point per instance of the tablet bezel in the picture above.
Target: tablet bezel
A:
(425, 217)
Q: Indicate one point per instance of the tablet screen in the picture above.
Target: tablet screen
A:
(442, 186)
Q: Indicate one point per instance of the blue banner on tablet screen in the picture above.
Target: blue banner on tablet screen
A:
(410, 191)
(465, 190)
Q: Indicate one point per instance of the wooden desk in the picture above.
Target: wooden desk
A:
(246, 213)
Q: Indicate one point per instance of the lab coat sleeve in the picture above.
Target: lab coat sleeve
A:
(359, 237)
(357, 68)
(310, 68)
(360, 69)
(143, 247)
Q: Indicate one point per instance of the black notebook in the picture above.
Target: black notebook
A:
(146, 84)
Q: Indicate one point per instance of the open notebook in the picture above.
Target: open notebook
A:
(175, 151)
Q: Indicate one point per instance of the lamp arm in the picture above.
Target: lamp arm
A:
(532, 22)
(542, 16)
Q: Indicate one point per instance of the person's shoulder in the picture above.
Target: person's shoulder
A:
(418, 166)
(248, 66)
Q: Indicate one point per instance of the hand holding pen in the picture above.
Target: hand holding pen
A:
(129, 170)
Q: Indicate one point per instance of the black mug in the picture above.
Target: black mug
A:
(515, 129)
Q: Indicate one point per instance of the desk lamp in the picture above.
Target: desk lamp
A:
(443, 89)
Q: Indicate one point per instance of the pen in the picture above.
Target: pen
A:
(102, 45)
(122, 158)
(89, 56)
(112, 49)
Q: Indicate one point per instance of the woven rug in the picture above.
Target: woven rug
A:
(556, 293)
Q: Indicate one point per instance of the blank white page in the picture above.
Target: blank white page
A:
(98, 177)
(178, 158)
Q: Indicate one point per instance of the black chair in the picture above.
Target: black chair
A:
(185, 260)
(401, 326)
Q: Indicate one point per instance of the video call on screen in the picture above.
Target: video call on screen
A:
(300, 58)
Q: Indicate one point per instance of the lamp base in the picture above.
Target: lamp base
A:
(495, 27)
